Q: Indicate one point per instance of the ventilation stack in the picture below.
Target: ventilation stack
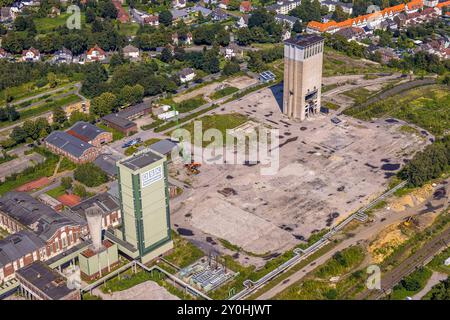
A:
(94, 218)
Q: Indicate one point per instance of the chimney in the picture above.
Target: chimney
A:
(94, 218)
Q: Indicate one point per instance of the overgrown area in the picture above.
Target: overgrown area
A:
(331, 280)
(90, 175)
(427, 106)
(428, 164)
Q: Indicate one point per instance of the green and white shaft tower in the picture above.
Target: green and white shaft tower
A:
(144, 199)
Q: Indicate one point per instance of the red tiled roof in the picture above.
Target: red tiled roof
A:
(246, 5)
(96, 48)
(331, 25)
(443, 4)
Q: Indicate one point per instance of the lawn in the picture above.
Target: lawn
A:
(223, 93)
(427, 106)
(128, 29)
(221, 122)
(47, 24)
(185, 105)
(437, 264)
(184, 252)
(56, 192)
(27, 90)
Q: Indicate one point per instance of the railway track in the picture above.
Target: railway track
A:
(418, 259)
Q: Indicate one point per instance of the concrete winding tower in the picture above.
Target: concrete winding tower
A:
(303, 59)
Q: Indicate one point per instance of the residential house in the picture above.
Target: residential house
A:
(224, 4)
(233, 51)
(243, 21)
(3, 54)
(332, 4)
(95, 54)
(31, 55)
(62, 56)
(152, 20)
(283, 6)
(370, 20)
(245, 7)
(6, 15)
(122, 15)
(286, 20)
(186, 75)
(179, 4)
(130, 52)
(352, 33)
(219, 15)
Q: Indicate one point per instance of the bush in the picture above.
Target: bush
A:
(90, 175)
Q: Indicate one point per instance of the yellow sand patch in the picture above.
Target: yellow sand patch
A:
(412, 199)
(386, 242)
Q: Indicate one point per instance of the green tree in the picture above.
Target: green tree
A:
(339, 14)
(103, 104)
(66, 183)
(90, 175)
(230, 68)
(59, 115)
(166, 55)
(52, 79)
(80, 190)
(165, 18)
(297, 27)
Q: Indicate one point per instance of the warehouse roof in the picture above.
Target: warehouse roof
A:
(104, 201)
(119, 121)
(85, 131)
(40, 218)
(132, 111)
(68, 143)
(163, 146)
(48, 281)
(18, 245)
(107, 162)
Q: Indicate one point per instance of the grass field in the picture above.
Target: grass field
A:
(335, 64)
(184, 252)
(43, 108)
(223, 93)
(427, 106)
(56, 192)
(221, 122)
(47, 24)
(27, 90)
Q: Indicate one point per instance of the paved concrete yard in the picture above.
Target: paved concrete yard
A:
(327, 171)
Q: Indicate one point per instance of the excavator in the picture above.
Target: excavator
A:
(193, 167)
